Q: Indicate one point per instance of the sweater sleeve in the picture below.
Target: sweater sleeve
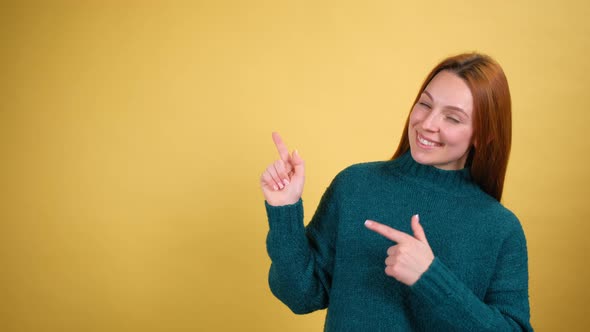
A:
(302, 257)
(505, 307)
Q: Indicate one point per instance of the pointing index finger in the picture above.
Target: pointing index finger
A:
(388, 232)
(281, 147)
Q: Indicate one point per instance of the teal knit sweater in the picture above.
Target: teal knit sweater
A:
(478, 280)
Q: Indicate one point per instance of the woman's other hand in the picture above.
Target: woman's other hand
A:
(282, 181)
(410, 257)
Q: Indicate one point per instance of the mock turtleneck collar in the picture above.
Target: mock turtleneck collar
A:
(432, 176)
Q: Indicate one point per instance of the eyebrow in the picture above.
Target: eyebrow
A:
(448, 107)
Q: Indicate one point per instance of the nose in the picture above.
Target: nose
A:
(430, 122)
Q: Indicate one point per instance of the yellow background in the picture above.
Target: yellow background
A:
(133, 135)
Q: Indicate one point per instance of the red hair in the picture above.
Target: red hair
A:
(492, 120)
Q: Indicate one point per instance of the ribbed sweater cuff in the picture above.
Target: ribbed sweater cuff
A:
(437, 285)
(286, 219)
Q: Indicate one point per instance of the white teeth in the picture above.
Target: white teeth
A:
(425, 142)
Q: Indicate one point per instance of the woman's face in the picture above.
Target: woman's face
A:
(441, 126)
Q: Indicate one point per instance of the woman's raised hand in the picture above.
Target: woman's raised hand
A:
(282, 181)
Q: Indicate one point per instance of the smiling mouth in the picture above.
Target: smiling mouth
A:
(423, 141)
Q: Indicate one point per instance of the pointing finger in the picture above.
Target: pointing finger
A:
(281, 147)
(388, 232)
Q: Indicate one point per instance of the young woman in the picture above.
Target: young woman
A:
(455, 259)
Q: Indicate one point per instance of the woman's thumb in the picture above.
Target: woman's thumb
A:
(298, 163)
